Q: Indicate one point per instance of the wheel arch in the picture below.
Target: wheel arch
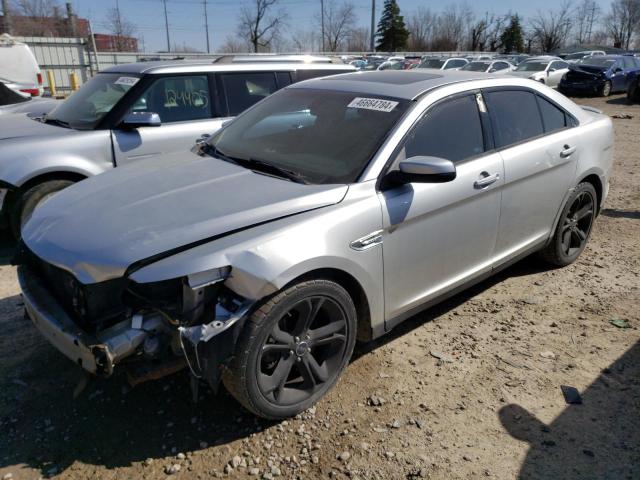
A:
(353, 288)
(594, 180)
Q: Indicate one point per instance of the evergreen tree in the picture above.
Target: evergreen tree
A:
(392, 33)
(512, 38)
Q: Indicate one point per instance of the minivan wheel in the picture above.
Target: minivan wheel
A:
(25, 205)
(293, 349)
(574, 227)
(605, 91)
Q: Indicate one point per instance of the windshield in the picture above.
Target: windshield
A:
(597, 62)
(532, 67)
(476, 66)
(85, 108)
(431, 63)
(323, 136)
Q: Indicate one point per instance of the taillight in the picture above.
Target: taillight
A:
(39, 76)
(34, 92)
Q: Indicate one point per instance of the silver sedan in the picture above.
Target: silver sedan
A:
(329, 212)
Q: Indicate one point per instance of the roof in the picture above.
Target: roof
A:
(182, 66)
(406, 84)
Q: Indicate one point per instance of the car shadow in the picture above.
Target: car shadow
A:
(620, 100)
(614, 213)
(112, 425)
(589, 440)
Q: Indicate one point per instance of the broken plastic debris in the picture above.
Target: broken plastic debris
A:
(619, 322)
(571, 395)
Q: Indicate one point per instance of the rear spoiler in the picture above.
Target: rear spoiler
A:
(591, 109)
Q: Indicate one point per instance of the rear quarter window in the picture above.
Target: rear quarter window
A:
(553, 118)
(514, 115)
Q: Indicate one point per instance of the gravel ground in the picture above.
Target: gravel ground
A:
(489, 407)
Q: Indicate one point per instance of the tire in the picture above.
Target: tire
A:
(633, 93)
(605, 90)
(275, 373)
(567, 243)
(25, 205)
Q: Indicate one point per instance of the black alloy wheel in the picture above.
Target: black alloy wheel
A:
(303, 351)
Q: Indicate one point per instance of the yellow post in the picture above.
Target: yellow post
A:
(73, 77)
(52, 84)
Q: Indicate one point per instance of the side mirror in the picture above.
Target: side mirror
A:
(140, 119)
(422, 169)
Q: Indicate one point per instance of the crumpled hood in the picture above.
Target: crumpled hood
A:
(593, 70)
(19, 125)
(99, 227)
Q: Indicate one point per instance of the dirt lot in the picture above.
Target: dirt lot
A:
(491, 407)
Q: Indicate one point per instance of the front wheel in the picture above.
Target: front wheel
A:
(574, 227)
(293, 349)
(605, 90)
(32, 199)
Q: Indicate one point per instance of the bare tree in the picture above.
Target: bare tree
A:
(41, 17)
(234, 45)
(121, 28)
(586, 17)
(623, 21)
(450, 27)
(339, 21)
(551, 28)
(484, 33)
(359, 39)
(421, 24)
(259, 25)
(306, 41)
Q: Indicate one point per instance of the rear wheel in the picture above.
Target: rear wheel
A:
(26, 204)
(574, 227)
(293, 349)
(605, 90)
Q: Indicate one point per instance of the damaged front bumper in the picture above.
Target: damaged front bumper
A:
(98, 353)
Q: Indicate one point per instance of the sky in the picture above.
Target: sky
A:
(186, 17)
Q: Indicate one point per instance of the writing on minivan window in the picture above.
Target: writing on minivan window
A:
(186, 98)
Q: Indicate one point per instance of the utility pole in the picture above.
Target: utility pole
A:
(322, 22)
(6, 17)
(166, 24)
(373, 25)
(206, 25)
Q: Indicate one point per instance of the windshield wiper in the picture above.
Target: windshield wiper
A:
(55, 121)
(254, 164)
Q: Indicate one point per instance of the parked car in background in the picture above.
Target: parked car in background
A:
(18, 67)
(441, 63)
(514, 59)
(392, 65)
(488, 66)
(358, 64)
(600, 75)
(14, 101)
(333, 210)
(574, 57)
(547, 70)
(127, 113)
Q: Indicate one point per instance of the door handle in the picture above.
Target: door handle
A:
(568, 151)
(486, 180)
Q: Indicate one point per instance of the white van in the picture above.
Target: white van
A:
(19, 69)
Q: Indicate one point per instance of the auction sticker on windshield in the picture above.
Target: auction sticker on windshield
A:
(129, 81)
(373, 104)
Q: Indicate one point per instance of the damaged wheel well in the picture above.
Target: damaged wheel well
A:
(355, 290)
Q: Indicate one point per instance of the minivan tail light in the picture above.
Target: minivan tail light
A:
(39, 76)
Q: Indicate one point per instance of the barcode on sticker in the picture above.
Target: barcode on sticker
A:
(373, 104)
(130, 81)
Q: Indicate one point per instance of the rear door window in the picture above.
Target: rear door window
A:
(553, 118)
(514, 115)
(451, 129)
(177, 99)
(628, 62)
(243, 90)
